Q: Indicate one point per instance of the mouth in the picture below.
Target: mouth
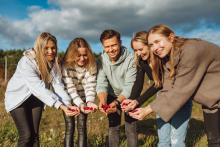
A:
(50, 55)
(112, 54)
(159, 51)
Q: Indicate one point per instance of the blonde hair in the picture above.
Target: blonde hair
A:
(153, 61)
(177, 43)
(72, 53)
(43, 65)
(139, 37)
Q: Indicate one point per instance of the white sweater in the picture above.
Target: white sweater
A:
(26, 81)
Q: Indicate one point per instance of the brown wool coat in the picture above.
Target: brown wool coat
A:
(197, 77)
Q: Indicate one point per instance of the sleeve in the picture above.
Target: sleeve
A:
(90, 86)
(60, 91)
(102, 82)
(147, 94)
(130, 78)
(151, 90)
(138, 84)
(190, 73)
(36, 85)
(71, 87)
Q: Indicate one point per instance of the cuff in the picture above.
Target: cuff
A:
(57, 104)
(90, 99)
(78, 101)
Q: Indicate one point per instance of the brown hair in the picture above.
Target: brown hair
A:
(107, 34)
(72, 53)
(43, 65)
(177, 43)
(153, 61)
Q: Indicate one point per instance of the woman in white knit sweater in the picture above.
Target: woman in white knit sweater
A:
(79, 76)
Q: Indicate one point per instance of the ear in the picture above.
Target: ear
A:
(171, 37)
(120, 42)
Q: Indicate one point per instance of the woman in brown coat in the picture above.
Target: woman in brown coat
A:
(191, 69)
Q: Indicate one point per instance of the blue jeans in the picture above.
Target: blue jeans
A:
(173, 133)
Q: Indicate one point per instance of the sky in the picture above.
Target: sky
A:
(21, 21)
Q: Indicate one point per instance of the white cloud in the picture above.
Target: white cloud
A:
(208, 34)
(88, 19)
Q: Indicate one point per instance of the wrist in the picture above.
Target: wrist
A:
(89, 102)
(136, 102)
(81, 105)
(148, 109)
(121, 98)
(117, 102)
(62, 107)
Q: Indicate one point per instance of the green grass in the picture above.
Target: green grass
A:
(52, 129)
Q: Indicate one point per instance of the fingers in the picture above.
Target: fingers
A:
(128, 106)
(102, 108)
(138, 113)
(91, 106)
(72, 111)
(111, 110)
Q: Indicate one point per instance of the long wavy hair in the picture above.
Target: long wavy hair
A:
(72, 53)
(177, 44)
(153, 61)
(43, 65)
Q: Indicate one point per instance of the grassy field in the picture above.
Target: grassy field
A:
(52, 129)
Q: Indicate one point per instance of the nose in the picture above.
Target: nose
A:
(111, 49)
(138, 53)
(49, 51)
(81, 58)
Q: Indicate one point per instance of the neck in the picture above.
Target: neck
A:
(166, 59)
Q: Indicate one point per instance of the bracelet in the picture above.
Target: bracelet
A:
(117, 102)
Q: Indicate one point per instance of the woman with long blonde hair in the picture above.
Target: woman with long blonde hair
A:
(79, 75)
(145, 63)
(36, 81)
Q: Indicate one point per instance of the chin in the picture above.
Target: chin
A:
(81, 65)
(50, 60)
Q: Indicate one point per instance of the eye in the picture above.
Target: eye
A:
(53, 48)
(150, 45)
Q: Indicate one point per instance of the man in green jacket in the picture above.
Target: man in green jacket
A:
(115, 80)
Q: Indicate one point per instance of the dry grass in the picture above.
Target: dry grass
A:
(52, 129)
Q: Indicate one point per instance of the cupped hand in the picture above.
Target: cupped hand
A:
(128, 105)
(70, 110)
(140, 113)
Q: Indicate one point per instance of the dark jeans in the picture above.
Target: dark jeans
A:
(114, 127)
(212, 127)
(27, 120)
(70, 127)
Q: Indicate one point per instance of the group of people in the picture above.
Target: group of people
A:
(181, 70)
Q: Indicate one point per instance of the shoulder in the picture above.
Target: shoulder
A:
(197, 51)
(26, 62)
(198, 46)
(194, 51)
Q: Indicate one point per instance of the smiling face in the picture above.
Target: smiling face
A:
(141, 50)
(82, 57)
(159, 44)
(112, 47)
(50, 51)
